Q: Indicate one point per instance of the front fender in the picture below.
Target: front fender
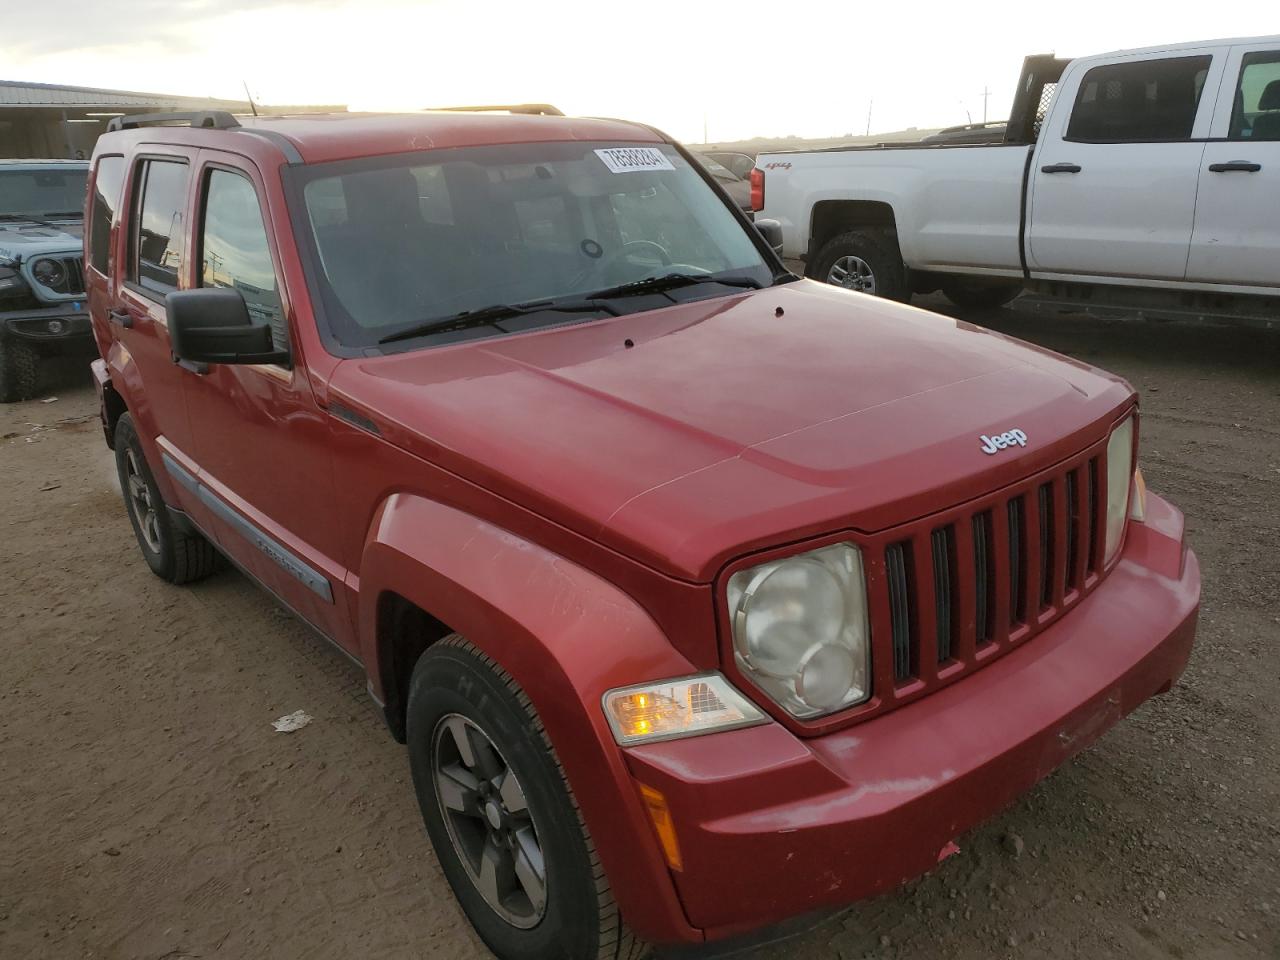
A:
(566, 636)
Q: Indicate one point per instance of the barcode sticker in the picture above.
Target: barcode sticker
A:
(632, 159)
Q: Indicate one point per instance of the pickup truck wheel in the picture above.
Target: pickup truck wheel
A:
(866, 261)
(172, 554)
(502, 817)
(19, 371)
(979, 296)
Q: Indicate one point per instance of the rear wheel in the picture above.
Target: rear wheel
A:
(19, 371)
(171, 553)
(865, 261)
(501, 816)
(980, 296)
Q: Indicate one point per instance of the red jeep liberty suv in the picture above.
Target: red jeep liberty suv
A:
(704, 596)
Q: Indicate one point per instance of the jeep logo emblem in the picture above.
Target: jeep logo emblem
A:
(1007, 439)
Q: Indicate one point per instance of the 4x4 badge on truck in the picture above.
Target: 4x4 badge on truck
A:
(1006, 439)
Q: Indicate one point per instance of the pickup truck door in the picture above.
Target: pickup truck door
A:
(265, 469)
(1113, 179)
(1237, 230)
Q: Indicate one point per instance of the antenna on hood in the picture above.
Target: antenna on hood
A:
(252, 105)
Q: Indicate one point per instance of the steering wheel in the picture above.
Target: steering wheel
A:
(603, 267)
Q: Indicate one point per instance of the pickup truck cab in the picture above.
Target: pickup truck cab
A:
(704, 596)
(1147, 177)
(42, 307)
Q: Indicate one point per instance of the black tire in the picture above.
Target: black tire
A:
(19, 371)
(172, 554)
(976, 295)
(454, 684)
(878, 249)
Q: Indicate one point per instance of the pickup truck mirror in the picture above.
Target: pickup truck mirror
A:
(212, 325)
(771, 230)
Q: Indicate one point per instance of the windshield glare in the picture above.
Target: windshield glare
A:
(423, 236)
(42, 193)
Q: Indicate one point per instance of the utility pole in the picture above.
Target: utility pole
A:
(870, 104)
(705, 141)
(986, 93)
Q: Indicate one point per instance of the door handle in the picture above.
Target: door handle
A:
(1061, 168)
(121, 318)
(1235, 166)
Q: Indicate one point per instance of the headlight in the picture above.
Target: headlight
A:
(1119, 483)
(50, 273)
(667, 709)
(800, 629)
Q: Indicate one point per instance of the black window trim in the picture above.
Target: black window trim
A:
(1199, 104)
(205, 174)
(139, 187)
(92, 208)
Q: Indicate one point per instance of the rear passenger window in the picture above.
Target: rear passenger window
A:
(1256, 114)
(234, 251)
(106, 197)
(157, 233)
(1142, 100)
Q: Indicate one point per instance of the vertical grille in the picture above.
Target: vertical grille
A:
(1046, 544)
(984, 578)
(1073, 524)
(1017, 564)
(1091, 516)
(75, 274)
(896, 570)
(943, 543)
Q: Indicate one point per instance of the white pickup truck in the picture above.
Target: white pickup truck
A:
(1141, 178)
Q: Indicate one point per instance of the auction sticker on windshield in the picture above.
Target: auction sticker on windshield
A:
(632, 159)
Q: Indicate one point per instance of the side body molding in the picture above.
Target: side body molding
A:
(565, 635)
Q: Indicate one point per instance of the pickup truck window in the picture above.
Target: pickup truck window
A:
(157, 227)
(234, 251)
(1257, 103)
(1154, 100)
(420, 236)
(106, 197)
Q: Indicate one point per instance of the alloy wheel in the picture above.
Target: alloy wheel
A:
(141, 502)
(852, 273)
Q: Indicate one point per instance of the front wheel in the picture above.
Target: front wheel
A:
(19, 371)
(865, 261)
(501, 816)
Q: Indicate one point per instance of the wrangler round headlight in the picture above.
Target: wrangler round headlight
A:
(49, 273)
(1119, 482)
(800, 629)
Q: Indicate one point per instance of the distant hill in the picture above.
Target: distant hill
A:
(770, 144)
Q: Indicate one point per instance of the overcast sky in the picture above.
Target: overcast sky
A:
(805, 67)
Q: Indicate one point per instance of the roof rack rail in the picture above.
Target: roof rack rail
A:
(213, 119)
(534, 109)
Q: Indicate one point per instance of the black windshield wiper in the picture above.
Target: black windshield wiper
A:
(488, 316)
(669, 281)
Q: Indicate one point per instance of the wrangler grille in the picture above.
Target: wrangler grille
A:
(963, 586)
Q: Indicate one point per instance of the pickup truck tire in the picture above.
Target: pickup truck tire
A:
(172, 554)
(492, 791)
(980, 296)
(19, 371)
(867, 261)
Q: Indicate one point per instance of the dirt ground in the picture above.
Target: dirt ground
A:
(149, 810)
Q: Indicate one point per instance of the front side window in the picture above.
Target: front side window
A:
(157, 233)
(1256, 113)
(106, 197)
(42, 194)
(235, 252)
(1152, 100)
(407, 239)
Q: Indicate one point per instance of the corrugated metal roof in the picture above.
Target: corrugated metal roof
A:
(14, 93)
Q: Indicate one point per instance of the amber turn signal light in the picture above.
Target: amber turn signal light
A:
(655, 805)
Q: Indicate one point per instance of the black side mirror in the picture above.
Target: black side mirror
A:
(212, 325)
(771, 230)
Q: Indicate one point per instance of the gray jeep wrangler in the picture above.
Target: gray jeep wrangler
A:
(42, 308)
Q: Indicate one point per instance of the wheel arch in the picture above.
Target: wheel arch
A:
(830, 218)
(563, 633)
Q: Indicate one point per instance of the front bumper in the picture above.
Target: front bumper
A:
(70, 322)
(773, 826)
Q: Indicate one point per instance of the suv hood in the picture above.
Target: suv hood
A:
(739, 422)
(23, 239)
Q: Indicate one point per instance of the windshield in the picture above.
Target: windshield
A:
(413, 238)
(42, 193)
